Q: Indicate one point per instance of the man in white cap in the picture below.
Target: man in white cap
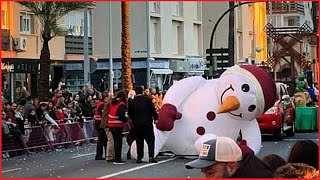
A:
(223, 158)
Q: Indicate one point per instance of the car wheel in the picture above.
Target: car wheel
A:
(279, 133)
(291, 132)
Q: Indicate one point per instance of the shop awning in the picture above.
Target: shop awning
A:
(162, 71)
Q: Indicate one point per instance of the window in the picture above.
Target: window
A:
(75, 21)
(155, 36)
(196, 39)
(279, 21)
(4, 19)
(199, 11)
(291, 22)
(177, 37)
(154, 7)
(177, 9)
(26, 23)
(239, 14)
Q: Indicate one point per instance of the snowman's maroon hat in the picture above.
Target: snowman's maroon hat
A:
(266, 94)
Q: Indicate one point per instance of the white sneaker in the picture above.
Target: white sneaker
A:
(119, 162)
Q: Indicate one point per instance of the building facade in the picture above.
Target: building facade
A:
(174, 44)
(21, 48)
(291, 17)
(250, 41)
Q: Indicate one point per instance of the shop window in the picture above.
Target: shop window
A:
(26, 23)
(73, 82)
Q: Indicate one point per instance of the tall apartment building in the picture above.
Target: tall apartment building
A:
(22, 44)
(175, 41)
(290, 15)
(250, 20)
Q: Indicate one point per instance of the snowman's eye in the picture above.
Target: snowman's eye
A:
(251, 108)
(245, 87)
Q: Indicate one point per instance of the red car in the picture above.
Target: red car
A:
(279, 119)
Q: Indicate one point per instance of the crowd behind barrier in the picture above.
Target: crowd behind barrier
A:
(31, 125)
(37, 140)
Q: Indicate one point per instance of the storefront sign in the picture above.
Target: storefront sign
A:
(104, 65)
(74, 66)
(159, 64)
(7, 67)
(197, 64)
(25, 68)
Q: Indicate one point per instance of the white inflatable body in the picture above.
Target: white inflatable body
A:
(198, 100)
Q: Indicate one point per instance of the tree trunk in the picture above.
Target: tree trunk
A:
(125, 47)
(43, 87)
(231, 34)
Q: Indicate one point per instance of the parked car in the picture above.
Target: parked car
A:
(279, 119)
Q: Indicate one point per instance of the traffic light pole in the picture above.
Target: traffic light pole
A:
(217, 23)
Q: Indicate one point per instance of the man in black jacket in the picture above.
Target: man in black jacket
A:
(142, 113)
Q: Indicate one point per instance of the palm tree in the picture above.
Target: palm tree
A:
(49, 13)
(125, 47)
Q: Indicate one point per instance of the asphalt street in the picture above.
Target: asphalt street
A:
(78, 162)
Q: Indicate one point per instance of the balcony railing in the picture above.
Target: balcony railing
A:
(284, 8)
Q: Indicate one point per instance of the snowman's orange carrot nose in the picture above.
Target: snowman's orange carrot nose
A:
(231, 103)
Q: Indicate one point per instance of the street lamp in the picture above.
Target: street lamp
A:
(217, 23)
(148, 42)
(86, 63)
(111, 73)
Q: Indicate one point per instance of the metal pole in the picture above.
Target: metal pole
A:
(86, 67)
(148, 43)
(217, 23)
(110, 50)
(11, 86)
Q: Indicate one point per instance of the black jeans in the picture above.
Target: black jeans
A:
(117, 139)
(145, 133)
(102, 143)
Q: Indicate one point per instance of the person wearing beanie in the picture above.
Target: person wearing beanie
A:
(223, 158)
(223, 106)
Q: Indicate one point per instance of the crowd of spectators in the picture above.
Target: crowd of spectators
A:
(62, 107)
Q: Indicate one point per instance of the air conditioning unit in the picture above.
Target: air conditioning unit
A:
(20, 44)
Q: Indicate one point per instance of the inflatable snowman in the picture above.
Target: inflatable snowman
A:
(194, 108)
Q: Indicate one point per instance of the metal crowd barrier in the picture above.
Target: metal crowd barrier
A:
(36, 138)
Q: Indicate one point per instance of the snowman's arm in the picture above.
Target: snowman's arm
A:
(251, 133)
(182, 89)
